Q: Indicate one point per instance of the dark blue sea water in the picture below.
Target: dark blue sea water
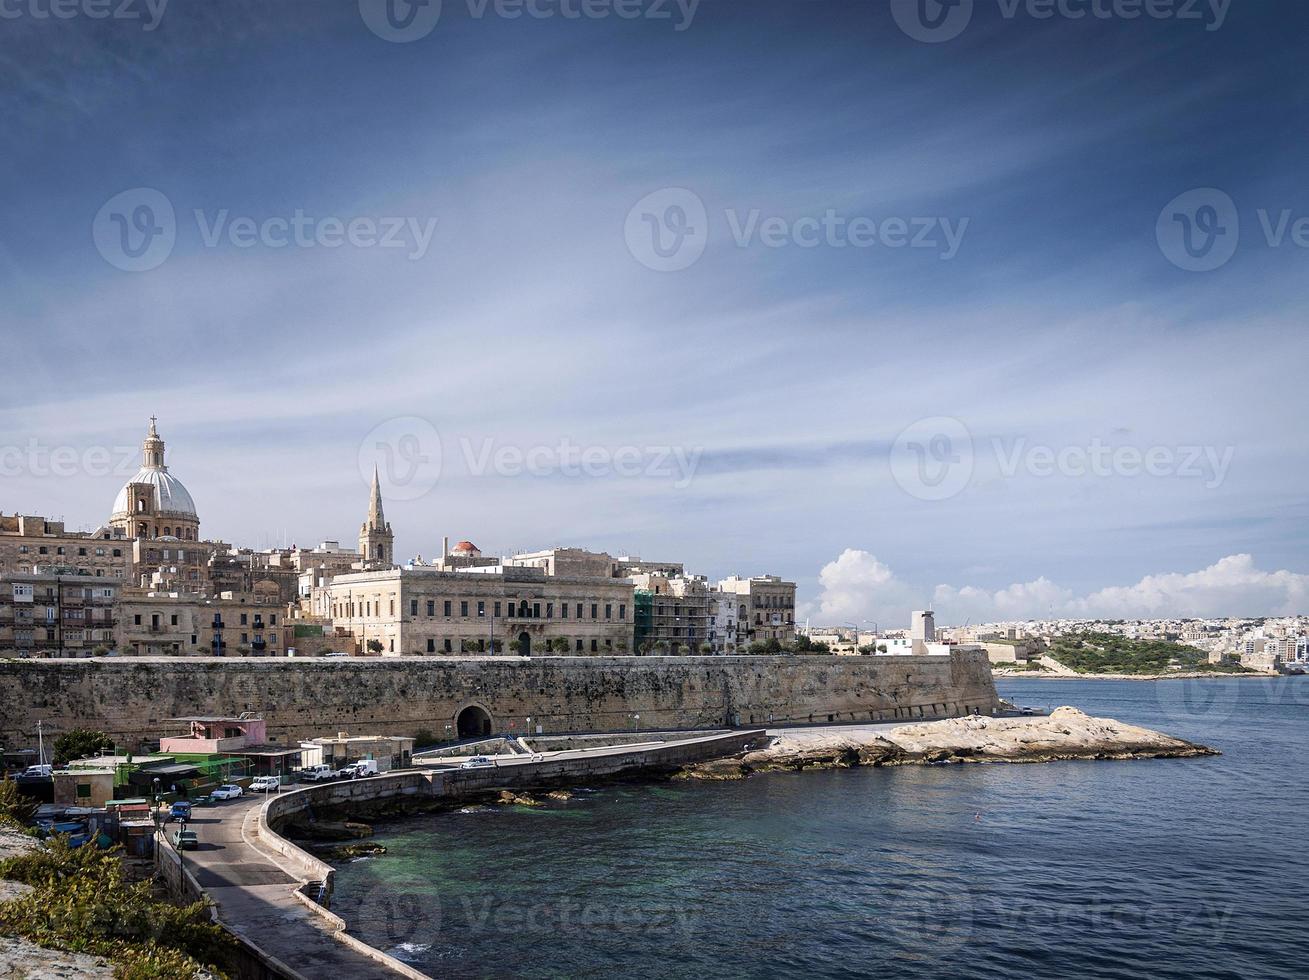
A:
(1173, 868)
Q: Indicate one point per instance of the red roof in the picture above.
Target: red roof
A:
(465, 546)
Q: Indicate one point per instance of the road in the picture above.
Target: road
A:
(256, 898)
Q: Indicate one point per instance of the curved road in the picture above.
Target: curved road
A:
(256, 899)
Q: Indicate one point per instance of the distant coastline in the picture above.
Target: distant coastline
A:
(1181, 675)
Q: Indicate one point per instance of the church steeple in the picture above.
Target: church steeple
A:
(375, 516)
(375, 538)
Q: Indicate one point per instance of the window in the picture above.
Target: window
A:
(463, 607)
(447, 647)
(579, 615)
(431, 607)
(83, 791)
(136, 620)
(536, 610)
(447, 607)
(622, 610)
(413, 607)
(595, 610)
(496, 611)
(173, 619)
(245, 618)
(431, 646)
(609, 611)
(272, 619)
(42, 550)
(593, 646)
(549, 610)
(481, 609)
(118, 552)
(82, 552)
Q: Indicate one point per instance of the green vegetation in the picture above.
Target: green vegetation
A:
(83, 902)
(78, 743)
(1106, 653)
(15, 808)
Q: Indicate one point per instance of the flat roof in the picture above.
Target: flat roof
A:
(211, 719)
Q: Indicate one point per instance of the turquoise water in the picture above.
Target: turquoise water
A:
(1170, 868)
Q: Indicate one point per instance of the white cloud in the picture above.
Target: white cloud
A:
(858, 586)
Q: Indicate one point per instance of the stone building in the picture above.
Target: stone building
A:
(677, 619)
(502, 609)
(49, 615)
(156, 624)
(31, 544)
(765, 608)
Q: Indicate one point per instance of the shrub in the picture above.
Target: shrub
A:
(14, 806)
(83, 902)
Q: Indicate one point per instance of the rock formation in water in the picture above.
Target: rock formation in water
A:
(1066, 733)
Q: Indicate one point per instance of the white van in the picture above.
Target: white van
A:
(265, 784)
(356, 770)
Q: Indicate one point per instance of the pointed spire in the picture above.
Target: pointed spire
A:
(375, 516)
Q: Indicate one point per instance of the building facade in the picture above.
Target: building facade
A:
(33, 544)
(500, 609)
(57, 615)
(765, 608)
(154, 624)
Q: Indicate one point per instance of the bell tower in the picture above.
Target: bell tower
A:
(376, 543)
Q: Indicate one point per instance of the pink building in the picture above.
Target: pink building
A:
(216, 736)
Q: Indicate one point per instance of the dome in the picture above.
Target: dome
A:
(464, 546)
(171, 497)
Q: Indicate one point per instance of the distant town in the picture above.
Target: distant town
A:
(146, 583)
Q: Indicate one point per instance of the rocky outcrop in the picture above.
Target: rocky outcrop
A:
(1066, 733)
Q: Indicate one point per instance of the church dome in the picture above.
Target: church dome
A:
(171, 497)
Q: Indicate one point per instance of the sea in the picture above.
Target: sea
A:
(1186, 868)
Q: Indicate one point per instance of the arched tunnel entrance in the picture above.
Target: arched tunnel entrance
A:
(473, 722)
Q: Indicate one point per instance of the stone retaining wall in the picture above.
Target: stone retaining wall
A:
(132, 699)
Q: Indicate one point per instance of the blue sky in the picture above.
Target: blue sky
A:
(763, 408)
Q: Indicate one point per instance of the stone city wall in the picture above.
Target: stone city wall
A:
(132, 699)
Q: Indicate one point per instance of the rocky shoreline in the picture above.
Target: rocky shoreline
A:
(1065, 734)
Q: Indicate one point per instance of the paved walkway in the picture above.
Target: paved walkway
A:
(256, 898)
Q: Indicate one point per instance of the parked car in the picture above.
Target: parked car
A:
(230, 791)
(35, 772)
(185, 840)
(478, 762)
(181, 810)
(265, 784)
(356, 770)
(319, 773)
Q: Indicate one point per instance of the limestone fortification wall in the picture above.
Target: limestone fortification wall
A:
(132, 699)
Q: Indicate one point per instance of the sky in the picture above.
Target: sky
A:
(967, 306)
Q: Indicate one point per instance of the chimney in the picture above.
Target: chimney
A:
(445, 547)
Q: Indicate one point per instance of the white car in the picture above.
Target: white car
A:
(357, 770)
(265, 784)
(478, 762)
(228, 792)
